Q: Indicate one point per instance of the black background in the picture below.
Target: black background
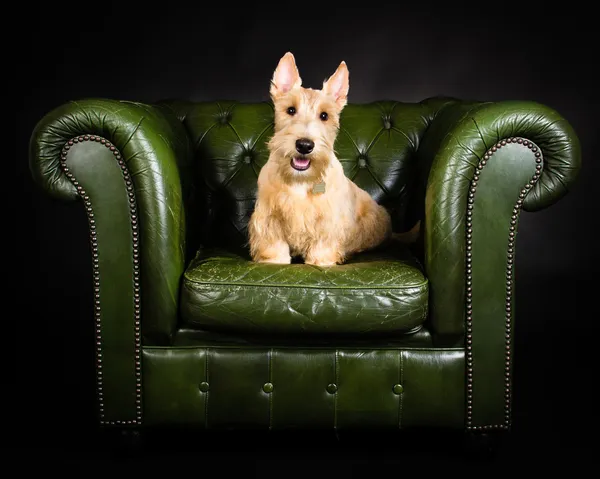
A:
(151, 51)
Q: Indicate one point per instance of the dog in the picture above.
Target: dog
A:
(306, 206)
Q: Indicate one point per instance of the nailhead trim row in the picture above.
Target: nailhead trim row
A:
(96, 273)
(509, 282)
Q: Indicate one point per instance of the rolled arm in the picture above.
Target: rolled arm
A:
(488, 161)
(454, 144)
(129, 164)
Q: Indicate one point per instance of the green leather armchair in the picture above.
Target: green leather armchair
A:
(190, 332)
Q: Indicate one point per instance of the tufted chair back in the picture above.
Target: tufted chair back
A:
(377, 146)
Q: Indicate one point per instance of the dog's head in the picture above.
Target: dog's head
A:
(306, 121)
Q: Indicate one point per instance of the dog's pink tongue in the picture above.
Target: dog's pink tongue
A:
(301, 162)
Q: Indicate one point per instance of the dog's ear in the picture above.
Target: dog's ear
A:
(338, 84)
(286, 76)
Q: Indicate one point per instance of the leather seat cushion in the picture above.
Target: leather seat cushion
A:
(374, 292)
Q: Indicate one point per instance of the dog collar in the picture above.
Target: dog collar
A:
(319, 188)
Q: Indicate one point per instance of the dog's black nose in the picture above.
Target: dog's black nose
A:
(304, 146)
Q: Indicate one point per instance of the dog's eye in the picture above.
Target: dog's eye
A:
(291, 110)
(323, 116)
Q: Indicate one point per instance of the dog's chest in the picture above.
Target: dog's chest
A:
(305, 198)
(300, 203)
(306, 212)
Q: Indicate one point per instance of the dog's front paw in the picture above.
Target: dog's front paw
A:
(275, 260)
(320, 262)
(276, 253)
(322, 256)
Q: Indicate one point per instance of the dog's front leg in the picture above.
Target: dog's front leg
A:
(266, 239)
(275, 252)
(321, 254)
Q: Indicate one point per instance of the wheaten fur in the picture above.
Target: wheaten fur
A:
(290, 219)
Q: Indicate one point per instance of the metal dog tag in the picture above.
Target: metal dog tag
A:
(319, 188)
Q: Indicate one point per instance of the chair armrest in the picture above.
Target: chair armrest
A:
(455, 143)
(129, 165)
(488, 162)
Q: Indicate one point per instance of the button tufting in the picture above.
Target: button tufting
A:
(362, 161)
(248, 159)
(398, 389)
(268, 387)
(332, 388)
(204, 386)
(224, 117)
(387, 123)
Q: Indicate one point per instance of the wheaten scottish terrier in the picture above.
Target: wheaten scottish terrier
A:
(306, 206)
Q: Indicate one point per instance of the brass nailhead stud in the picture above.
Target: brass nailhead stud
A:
(268, 388)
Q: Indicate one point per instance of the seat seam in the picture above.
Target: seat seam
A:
(198, 284)
(400, 411)
(271, 394)
(206, 355)
(335, 397)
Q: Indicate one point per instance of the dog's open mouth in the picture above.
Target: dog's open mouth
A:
(300, 163)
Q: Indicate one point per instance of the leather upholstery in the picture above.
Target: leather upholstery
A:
(456, 140)
(277, 388)
(161, 182)
(158, 155)
(224, 291)
(420, 337)
(489, 314)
